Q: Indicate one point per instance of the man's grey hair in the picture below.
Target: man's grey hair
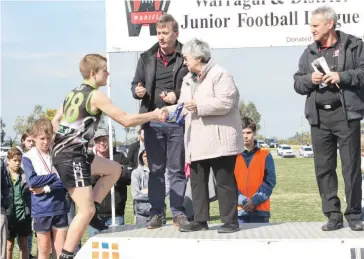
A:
(328, 12)
(198, 49)
(167, 19)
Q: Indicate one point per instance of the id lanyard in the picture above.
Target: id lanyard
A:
(49, 170)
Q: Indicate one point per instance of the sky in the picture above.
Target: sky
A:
(43, 41)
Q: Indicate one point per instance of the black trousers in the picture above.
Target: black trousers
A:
(227, 191)
(332, 129)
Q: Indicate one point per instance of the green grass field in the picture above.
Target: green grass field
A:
(295, 197)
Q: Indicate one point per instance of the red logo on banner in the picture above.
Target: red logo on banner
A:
(145, 17)
(144, 13)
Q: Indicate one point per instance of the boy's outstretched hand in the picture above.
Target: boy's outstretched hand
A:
(164, 114)
(161, 114)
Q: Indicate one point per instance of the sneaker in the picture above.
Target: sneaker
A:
(332, 224)
(180, 220)
(154, 221)
(356, 225)
(228, 228)
(97, 223)
(194, 226)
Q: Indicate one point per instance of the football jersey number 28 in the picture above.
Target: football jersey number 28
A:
(72, 108)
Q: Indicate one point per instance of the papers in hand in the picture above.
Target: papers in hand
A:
(320, 65)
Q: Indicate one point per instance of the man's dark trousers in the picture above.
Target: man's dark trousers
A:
(333, 128)
(164, 144)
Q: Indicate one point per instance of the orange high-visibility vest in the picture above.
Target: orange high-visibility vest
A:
(249, 179)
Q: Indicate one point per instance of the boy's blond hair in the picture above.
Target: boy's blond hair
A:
(42, 126)
(91, 62)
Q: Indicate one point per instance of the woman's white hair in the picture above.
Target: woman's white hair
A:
(327, 12)
(198, 49)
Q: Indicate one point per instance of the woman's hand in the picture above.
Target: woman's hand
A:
(190, 105)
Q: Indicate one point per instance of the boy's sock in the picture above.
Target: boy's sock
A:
(66, 255)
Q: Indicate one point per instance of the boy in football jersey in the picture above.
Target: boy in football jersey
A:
(75, 124)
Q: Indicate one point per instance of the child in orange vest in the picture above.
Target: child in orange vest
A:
(255, 176)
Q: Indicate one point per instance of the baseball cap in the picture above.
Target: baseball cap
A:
(101, 133)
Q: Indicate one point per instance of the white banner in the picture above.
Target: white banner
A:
(130, 25)
(113, 245)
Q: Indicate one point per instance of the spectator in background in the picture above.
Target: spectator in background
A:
(101, 148)
(5, 204)
(27, 141)
(134, 149)
(18, 213)
(49, 205)
(255, 176)
(139, 190)
(26, 144)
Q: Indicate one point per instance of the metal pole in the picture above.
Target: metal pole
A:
(111, 154)
(137, 101)
(301, 131)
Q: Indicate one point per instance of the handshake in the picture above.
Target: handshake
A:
(160, 115)
(178, 115)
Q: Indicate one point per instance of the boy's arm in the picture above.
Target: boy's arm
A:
(57, 185)
(269, 181)
(57, 119)
(34, 180)
(100, 101)
(53, 187)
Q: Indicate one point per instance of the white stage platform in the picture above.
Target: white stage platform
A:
(294, 240)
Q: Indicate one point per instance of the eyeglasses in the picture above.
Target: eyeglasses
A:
(102, 139)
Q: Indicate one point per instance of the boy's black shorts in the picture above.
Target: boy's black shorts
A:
(75, 172)
(21, 228)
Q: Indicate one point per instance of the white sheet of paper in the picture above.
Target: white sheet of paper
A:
(325, 67)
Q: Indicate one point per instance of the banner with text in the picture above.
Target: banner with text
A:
(131, 25)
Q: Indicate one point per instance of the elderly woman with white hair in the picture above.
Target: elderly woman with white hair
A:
(213, 135)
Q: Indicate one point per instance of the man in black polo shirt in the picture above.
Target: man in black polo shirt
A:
(334, 113)
(157, 82)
